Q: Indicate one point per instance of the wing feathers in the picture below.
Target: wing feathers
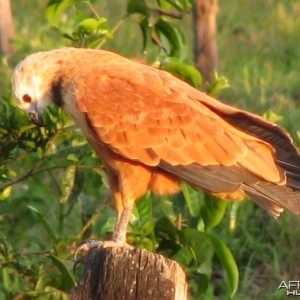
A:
(218, 179)
(260, 161)
(202, 177)
(148, 116)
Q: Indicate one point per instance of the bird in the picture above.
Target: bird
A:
(154, 131)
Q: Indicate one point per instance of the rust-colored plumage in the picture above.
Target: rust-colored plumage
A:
(153, 131)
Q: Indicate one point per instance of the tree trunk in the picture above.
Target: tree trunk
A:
(7, 30)
(205, 29)
(129, 274)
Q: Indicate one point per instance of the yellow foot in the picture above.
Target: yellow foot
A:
(115, 244)
(89, 245)
(86, 246)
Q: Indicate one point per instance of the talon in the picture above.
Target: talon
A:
(84, 247)
(77, 262)
(87, 245)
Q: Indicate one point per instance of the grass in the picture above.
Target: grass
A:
(259, 54)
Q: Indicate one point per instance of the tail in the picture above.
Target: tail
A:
(286, 156)
(229, 179)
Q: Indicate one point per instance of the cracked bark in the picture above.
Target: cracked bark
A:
(129, 274)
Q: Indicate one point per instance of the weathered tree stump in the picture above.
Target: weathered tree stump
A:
(130, 274)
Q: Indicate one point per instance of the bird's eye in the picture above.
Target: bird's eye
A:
(26, 98)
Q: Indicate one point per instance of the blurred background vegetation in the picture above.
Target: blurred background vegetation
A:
(53, 188)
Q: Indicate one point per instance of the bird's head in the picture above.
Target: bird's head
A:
(33, 83)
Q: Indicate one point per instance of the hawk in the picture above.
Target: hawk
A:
(154, 131)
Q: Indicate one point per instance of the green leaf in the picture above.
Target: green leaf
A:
(166, 205)
(56, 8)
(226, 258)
(174, 36)
(89, 24)
(105, 223)
(181, 5)
(5, 193)
(271, 116)
(184, 256)
(57, 294)
(141, 242)
(199, 285)
(58, 277)
(137, 7)
(168, 247)
(233, 219)
(165, 226)
(45, 223)
(145, 29)
(67, 183)
(220, 83)
(72, 157)
(199, 244)
(194, 200)
(91, 32)
(142, 226)
(142, 212)
(213, 211)
(68, 278)
(183, 71)
(92, 25)
(72, 184)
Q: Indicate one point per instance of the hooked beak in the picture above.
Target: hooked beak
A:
(36, 119)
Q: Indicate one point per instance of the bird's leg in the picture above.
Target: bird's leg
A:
(117, 240)
(119, 234)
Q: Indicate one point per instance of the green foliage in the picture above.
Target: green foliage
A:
(90, 32)
(225, 256)
(82, 30)
(186, 72)
(220, 83)
(57, 147)
(53, 187)
(56, 9)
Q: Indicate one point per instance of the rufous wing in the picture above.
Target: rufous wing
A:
(145, 115)
(148, 116)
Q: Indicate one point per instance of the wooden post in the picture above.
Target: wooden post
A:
(206, 50)
(129, 274)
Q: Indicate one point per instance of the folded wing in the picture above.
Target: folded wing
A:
(144, 114)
